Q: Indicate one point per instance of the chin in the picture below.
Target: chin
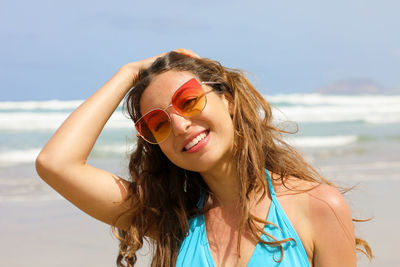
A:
(208, 162)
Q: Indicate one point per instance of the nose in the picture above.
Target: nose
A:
(179, 123)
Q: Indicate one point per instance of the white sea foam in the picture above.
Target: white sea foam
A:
(335, 100)
(29, 121)
(322, 141)
(336, 108)
(19, 156)
(369, 114)
(40, 105)
(115, 148)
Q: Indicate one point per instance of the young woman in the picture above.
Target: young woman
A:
(212, 182)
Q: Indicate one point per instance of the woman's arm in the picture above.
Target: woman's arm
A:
(333, 233)
(62, 162)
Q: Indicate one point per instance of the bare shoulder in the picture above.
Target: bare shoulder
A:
(329, 209)
(318, 198)
(322, 218)
(327, 200)
(323, 203)
(331, 227)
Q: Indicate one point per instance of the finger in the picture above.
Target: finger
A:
(187, 52)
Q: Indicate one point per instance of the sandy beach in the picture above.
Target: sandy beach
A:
(55, 233)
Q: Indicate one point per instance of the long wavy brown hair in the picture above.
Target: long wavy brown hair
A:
(160, 207)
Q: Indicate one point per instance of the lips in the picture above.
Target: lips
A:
(193, 141)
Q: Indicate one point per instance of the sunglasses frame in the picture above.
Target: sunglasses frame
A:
(171, 105)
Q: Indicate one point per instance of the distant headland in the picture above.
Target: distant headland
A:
(357, 87)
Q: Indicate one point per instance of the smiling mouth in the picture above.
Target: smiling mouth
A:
(196, 140)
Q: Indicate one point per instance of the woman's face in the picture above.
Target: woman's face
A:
(213, 126)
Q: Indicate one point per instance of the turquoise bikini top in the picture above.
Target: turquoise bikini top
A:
(195, 250)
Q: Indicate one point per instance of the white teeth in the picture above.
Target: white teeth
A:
(195, 141)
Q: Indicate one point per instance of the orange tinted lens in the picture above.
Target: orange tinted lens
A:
(154, 126)
(189, 99)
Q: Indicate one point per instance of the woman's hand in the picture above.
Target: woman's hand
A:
(134, 67)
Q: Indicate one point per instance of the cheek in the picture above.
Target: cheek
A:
(166, 149)
(229, 131)
(224, 117)
(169, 152)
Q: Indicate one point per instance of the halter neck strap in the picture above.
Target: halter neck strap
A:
(271, 188)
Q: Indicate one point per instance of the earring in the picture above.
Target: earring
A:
(185, 182)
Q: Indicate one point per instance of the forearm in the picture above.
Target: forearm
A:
(76, 137)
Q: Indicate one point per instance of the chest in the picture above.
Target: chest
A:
(222, 231)
(223, 243)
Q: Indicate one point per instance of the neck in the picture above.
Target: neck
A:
(225, 185)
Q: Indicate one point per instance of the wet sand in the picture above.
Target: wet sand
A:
(55, 233)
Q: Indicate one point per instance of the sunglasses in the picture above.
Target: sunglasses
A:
(188, 100)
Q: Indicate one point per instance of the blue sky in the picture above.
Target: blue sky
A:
(67, 49)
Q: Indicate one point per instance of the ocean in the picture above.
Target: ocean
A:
(349, 139)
